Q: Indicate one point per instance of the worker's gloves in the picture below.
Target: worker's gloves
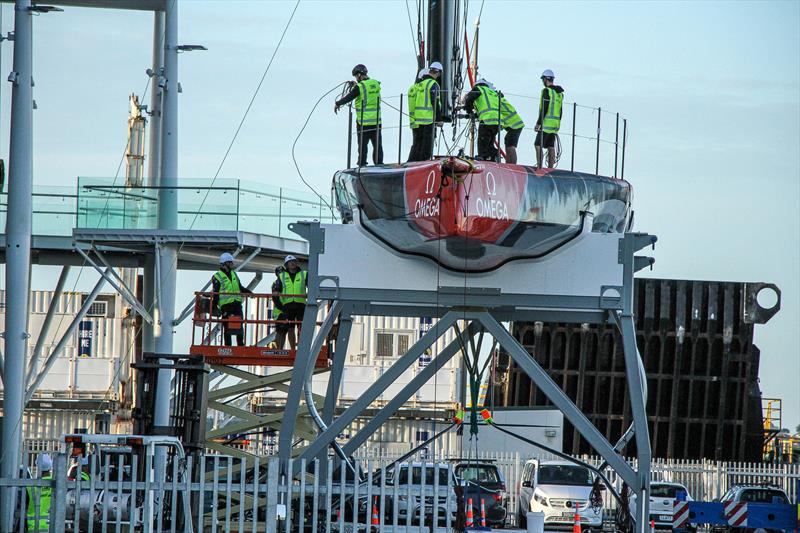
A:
(537, 127)
(336, 108)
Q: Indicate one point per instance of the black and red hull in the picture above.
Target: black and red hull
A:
(475, 216)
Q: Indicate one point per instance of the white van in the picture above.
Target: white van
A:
(558, 489)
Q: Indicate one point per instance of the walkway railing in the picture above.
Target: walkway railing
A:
(225, 204)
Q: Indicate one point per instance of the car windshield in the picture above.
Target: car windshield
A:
(664, 491)
(764, 496)
(564, 475)
(478, 473)
(416, 475)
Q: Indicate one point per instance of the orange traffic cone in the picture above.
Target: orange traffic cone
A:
(576, 525)
(470, 516)
(483, 513)
(375, 520)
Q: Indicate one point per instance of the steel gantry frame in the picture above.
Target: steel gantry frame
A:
(589, 280)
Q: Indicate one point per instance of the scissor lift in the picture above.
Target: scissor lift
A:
(258, 324)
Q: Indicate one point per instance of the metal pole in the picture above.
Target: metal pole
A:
(400, 134)
(624, 142)
(48, 320)
(616, 145)
(574, 115)
(154, 159)
(18, 256)
(349, 135)
(597, 155)
(167, 220)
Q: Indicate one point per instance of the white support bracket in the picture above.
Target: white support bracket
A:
(110, 276)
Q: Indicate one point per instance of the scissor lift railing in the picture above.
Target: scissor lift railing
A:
(208, 340)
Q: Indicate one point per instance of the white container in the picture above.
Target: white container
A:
(535, 522)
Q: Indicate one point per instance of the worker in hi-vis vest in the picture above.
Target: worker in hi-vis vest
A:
(549, 121)
(412, 121)
(227, 300)
(365, 93)
(513, 125)
(483, 103)
(289, 293)
(39, 498)
(427, 113)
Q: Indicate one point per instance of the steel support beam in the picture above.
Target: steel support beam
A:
(374, 390)
(110, 275)
(337, 368)
(62, 343)
(638, 407)
(302, 360)
(405, 393)
(554, 393)
(19, 222)
(48, 320)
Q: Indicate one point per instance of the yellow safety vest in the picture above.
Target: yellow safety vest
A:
(412, 101)
(368, 103)
(45, 494)
(229, 285)
(296, 286)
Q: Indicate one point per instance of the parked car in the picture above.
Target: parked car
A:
(482, 480)
(662, 502)
(752, 494)
(415, 508)
(559, 489)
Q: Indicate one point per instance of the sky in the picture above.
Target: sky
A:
(711, 92)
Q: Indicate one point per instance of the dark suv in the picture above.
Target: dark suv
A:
(482, 480)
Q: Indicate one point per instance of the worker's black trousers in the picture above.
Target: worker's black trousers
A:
(229, 329)
(365, 135)
(486, 137)
(423, 138)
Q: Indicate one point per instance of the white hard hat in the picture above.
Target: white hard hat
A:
(44, 463)
(289, 258)
(436, 66)
(548, 74)
(225, 258)
(485, 82)
(423, 72)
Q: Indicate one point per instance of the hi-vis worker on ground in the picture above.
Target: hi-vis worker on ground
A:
(483, 102)
(227, 300)
(412, 102)
(289, 295)
(549, 120)
(39, 498)
(427, 113)
(367, 95)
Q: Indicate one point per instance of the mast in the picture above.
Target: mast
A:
(441, 26)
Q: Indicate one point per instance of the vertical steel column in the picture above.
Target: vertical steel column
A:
(574, 115)
(349, 135)
(616, 145)
(154, 158)
(624, 140)
(18, 255)
(167, 212)
(597, 155)
(400, 134)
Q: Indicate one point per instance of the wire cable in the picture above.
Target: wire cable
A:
(300, 133)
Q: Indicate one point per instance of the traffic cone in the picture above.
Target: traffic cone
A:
(375, 519)
(576, 524)
(483, 513)
(470, 516)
